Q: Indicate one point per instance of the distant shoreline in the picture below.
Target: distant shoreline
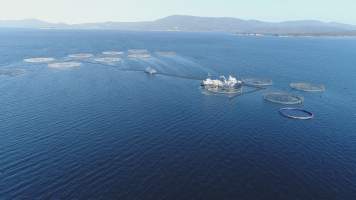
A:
(184, 23)
(244, 34)
(285, 35)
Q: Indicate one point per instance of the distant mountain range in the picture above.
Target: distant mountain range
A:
(201, 24)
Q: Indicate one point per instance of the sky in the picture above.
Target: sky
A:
(80, 11)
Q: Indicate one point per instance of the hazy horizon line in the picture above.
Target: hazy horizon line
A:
(133, 21)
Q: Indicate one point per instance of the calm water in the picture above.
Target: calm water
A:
(101, 133)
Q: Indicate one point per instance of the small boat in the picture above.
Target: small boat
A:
(222, 83)
(150, 70)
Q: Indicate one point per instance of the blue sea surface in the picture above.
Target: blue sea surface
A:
(98, 132)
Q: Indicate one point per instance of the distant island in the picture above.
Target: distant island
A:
(203, 24)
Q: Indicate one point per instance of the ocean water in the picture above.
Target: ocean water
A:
(100, 132)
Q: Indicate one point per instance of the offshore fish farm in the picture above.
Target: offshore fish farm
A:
(229, 86)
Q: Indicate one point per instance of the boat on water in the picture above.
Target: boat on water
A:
(150, 70)
(222, 83)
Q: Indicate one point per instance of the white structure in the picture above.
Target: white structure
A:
(223, 83)
(150, 70)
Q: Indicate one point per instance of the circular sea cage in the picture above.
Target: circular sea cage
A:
(257, 82)
(283, 98)
(80, 56)
(39, 60)
(308, 87)
(296, 113)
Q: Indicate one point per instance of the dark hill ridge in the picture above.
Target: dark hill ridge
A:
(203, 24)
